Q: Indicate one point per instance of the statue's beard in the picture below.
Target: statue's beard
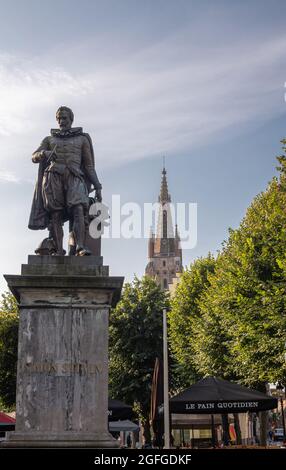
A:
(66, 126)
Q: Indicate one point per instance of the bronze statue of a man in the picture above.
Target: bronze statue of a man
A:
(65, 178)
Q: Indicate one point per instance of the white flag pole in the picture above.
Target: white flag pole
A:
(166, 384)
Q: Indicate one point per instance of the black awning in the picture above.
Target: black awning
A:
(119, 410)
(212, 395)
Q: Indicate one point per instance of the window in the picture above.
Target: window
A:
(165, 284)
(164, 263)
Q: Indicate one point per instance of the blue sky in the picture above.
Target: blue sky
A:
(201, 82)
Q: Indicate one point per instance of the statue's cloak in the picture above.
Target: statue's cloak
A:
(39, 216)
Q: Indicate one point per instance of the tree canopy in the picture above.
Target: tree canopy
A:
(184, 316)
(234, 318)
(135, 342)
(9, 322)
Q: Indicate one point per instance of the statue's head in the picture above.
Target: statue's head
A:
(65, 117)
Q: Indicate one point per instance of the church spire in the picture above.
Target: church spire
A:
(164, 239)
(164, 196)
(164, 251)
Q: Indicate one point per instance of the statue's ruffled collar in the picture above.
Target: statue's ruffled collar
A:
(67, 133)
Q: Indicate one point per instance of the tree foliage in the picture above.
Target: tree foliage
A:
(9, 322)
(235, 323)
(184, 316)
(135, 342)
(8, 358)
(8, 303)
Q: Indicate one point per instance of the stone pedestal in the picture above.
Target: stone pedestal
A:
(62, 378)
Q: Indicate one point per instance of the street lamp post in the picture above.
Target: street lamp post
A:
(279, 389)
(166, 383)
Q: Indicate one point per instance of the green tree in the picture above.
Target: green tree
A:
(8, 358)
(184, 316)
(8, 303)
(212, 339)
(135, 342)
(235, 326)
(9, 322)
(245, 303)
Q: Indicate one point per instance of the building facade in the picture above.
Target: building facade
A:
(164, 250)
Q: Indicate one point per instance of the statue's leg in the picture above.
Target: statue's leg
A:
(79, 230)
(71, 242)
(57, 231)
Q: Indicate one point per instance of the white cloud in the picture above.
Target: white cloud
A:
(8, 177)
(150, 103)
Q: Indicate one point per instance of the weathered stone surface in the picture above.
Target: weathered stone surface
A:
(62, 378)
(65, 272)
(78, 261)
(65, 266)
(62, 439)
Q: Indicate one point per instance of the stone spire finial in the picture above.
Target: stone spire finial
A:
(164, 196)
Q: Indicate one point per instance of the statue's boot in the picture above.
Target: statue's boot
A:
(71, 243)
(82, 251)
(79, 231)
(57, 232)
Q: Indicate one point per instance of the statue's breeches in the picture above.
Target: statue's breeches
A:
(63, 191)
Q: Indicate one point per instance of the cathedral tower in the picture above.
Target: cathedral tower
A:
(164, 250)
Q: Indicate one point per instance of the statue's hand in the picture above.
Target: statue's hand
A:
(50, 155)
(98, 195)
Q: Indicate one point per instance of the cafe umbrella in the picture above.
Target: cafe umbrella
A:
(157, 398)
(212, 395)
(117, 410)
(7, 423)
